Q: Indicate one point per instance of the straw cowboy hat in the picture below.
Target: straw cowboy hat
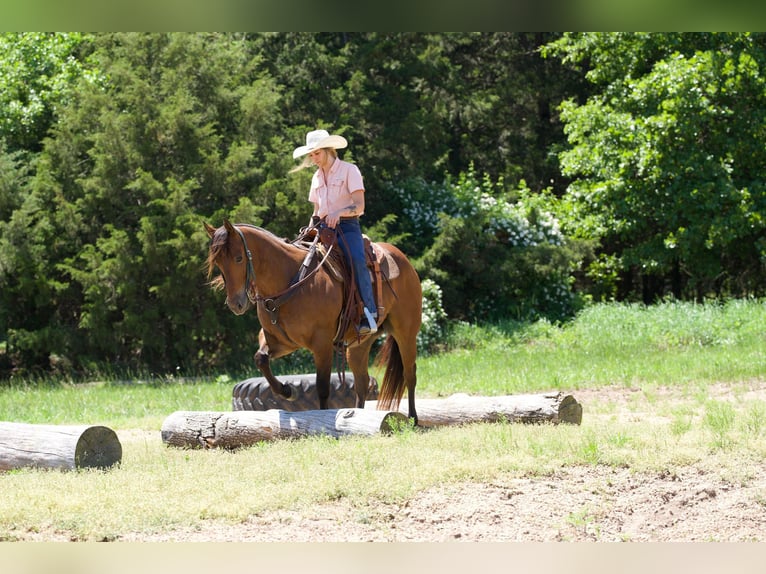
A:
(319, 139)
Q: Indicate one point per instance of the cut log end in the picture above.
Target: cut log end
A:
(97, 447)
(392, 422)
(57, 446)
(570, 411)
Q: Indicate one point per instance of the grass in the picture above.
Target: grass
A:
(624, 345)
(670, 355)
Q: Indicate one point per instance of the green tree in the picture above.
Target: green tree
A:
(419, 105)
(141, 137)
(38, 74)
(39, 77)
(667, 159)
(109, 245)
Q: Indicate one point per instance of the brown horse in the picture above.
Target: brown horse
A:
(258, 267)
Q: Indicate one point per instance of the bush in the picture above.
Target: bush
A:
(433, 329)
(495, 253)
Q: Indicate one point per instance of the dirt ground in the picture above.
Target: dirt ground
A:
(575, 504)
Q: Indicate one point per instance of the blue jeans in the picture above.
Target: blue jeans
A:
(352, 245)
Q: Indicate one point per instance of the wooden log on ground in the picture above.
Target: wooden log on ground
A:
(202, 429)
(461, 408)
(255, 394)
(57, 446)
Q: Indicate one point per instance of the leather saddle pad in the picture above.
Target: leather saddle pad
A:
(388, 266)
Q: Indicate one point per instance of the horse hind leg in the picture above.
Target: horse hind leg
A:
(399, 375)
(402, 368)
(410, 380)
(409, 376)
(358, 360)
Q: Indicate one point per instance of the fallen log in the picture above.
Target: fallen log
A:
(254, 394)
(57, 446)
(230, 430)
(461, 408)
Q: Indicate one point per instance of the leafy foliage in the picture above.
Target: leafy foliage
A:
(111, 224)
(434, 319)
(667, 160)
(39, 74)
(114, 148)
(496, 253)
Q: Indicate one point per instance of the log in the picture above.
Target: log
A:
(254, 394)
(57, 446)
(231, 430)
(460, 408)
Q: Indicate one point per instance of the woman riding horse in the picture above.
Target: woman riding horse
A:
(337, 192)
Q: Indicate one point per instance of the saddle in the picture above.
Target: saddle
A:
(380, 264)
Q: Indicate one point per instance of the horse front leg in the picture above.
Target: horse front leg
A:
(323, 363)
(262, 361)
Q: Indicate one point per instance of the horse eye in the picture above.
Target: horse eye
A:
(238, 259)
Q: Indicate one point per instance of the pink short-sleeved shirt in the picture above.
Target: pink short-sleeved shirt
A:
(334, 195)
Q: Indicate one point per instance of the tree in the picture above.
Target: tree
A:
(667, 159)
(141, 137)
(108, 246)
(39, 73)
(419, 105)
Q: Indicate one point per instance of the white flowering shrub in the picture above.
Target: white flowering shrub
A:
(524, 222)
(419, 205)
(495, 253)
(433, 328)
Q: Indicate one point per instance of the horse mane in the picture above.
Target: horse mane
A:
(219, 245)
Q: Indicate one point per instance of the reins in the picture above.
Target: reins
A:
(273, 303)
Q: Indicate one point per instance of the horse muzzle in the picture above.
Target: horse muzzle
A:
(238, 304)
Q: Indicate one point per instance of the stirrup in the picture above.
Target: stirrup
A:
(373, 324)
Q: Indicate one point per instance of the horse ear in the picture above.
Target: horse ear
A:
(227, 224)
(209, 228)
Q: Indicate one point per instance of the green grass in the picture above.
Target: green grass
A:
(679, 344)
(118, 405)
(623, 345)
(669, 355)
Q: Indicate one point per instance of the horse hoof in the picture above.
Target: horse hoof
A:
(294, 393)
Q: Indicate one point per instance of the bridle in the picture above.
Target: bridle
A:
(250, 278)
(273, 303)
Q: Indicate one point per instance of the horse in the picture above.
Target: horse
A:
(258, 268)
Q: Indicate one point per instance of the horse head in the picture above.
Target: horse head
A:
(228, 252)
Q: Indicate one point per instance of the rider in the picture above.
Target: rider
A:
(337, 192)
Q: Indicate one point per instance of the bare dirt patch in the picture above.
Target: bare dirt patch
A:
(575, 504)
(588, 503)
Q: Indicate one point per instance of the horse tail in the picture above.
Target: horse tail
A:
(392, 389)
